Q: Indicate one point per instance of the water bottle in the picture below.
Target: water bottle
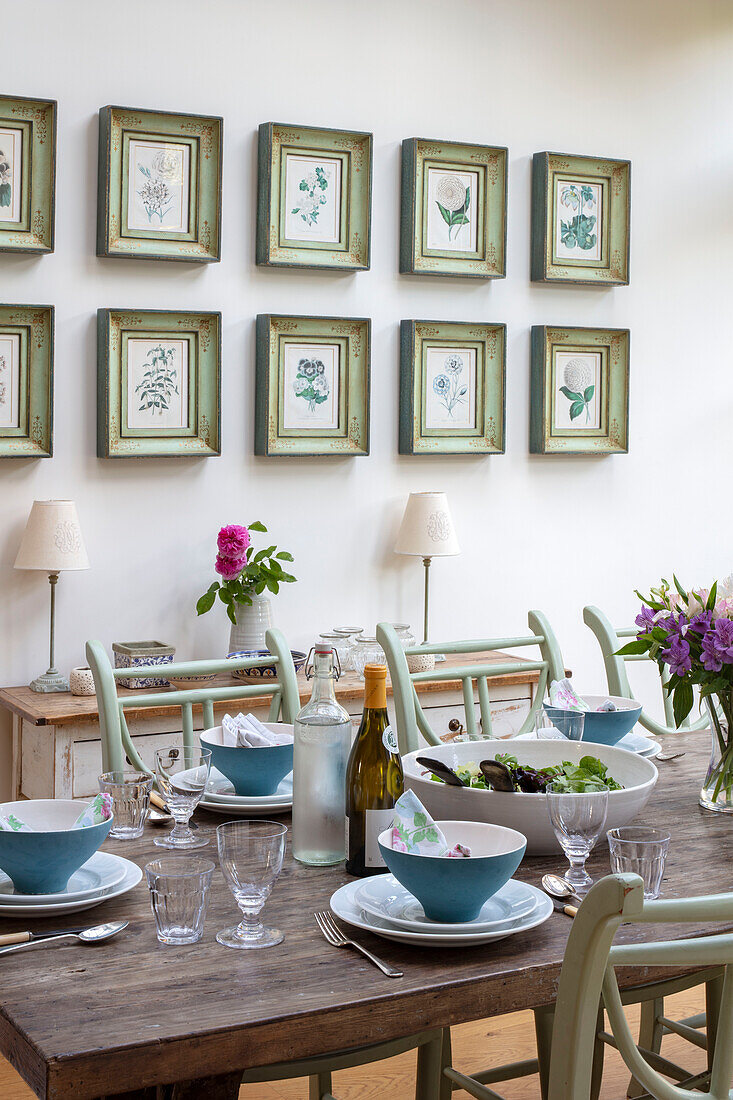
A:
(321, 751)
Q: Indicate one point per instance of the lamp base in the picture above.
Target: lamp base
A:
(52, 680)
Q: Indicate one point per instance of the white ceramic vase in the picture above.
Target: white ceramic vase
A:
(253, 621)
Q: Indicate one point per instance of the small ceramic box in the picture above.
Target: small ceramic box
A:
(134, 654)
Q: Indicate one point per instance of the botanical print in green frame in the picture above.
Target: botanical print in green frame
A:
(453, 219)
(26, 381)
(581, 211)
(159, 185)
(312, 385)
(159, 383)
(452, 387)
(314, 197)
(27, 174)
(579, 401)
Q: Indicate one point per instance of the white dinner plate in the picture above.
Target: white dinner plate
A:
(632, 742)
(345, 907)
(132, 877)
(386, 898)
(254, 809)
(220, 789)
(100, 873)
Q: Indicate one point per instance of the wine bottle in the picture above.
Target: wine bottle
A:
(374, 779)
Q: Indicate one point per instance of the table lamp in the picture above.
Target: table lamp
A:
(427, 532)
(52, 541)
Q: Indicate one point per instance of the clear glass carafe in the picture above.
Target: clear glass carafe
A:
(322, 745)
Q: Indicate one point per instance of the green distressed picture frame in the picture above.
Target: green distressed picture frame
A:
(452, 388)
(26, 381)
(454, 209)
(579, 392)
(158, 383)
(581, 220)
(27, 174)
(314, 197)
(312, 385)
(159, 191)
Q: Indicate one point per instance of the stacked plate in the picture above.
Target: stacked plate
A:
(383, 906)
(632, 742)
(101, 878)
(219, 798)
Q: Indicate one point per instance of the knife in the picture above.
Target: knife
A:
(568, 910)
(29, 937)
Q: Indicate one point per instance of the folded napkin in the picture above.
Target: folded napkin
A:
(247, 732)
(98, 810)
(413, 830)
(564, 697)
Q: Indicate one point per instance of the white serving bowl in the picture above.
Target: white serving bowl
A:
(527, 812)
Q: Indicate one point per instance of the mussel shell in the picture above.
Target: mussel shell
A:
(437, 767)
(497, 775)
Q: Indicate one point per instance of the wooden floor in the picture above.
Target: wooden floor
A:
(475, 1046)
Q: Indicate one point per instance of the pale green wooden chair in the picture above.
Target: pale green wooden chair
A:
(611, 639)
(118, 748)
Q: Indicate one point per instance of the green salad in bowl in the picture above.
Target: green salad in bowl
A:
(504, 773)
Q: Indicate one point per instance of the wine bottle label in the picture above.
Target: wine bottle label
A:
(376, 822)
(389, 740)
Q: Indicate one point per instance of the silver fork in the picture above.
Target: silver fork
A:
(335, 936)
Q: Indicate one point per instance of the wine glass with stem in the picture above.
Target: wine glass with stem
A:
(251, 858)
(578, 818)
(182, 773)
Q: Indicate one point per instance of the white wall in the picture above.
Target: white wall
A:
(650, 80)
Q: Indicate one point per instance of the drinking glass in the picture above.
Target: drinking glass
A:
(179, 897)
(578, 820)
(251, 857)
(569, 722)
(544, 729)
(182, 777)
(641, 851)
(130, 793)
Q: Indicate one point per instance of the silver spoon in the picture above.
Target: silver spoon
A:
(558, 888)
(95, 934)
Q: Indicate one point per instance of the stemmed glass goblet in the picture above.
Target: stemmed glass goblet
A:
(577, 818)
(182, 775)
(251, 857)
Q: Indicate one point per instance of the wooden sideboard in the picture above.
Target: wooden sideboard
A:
(56, 740)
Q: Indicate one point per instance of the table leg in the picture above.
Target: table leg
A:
(224, 1087)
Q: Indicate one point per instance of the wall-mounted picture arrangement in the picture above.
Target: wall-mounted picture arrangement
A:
(453, 218)
(312, 385)
(314, 196)
(581, 212)
(159, 185)
(452, 387)
(27, 174)
(159, 383)
(579, 391)
(26, 381)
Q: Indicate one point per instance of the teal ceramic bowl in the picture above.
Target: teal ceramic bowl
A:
(43, 861)
(604, 727)
(253, 772)
(454, 890)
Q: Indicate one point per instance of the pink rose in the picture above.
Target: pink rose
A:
(229, 567)
(233, 541)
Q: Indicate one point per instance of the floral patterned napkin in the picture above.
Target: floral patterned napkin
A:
(98, 810)
(413, 830)
(564, 697)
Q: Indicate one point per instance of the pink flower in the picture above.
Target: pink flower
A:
(398, 843)
(233, 541)
(229, 567)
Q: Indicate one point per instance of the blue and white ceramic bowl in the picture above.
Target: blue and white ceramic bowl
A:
(453, 890)
(604, 727)
(263, 672)
(43, 861)
(252, 771)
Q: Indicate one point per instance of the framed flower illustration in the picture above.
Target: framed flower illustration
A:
(453, 209)
(27, 174)
(26, 381)
(452, 387)
(579, 391)
(314, 196)
(581, 214)
(159, 185)
(158, 383)
(312, 385)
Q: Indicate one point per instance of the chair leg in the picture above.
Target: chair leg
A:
(544, 1019)
(599, 1050)
(319, 1086)
(650, 1037)
(431, 1058)
(713, 993)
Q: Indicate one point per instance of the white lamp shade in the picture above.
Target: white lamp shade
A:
(52, 539)
(427, 529)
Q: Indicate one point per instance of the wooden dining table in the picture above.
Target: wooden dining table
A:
(136, 1019)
